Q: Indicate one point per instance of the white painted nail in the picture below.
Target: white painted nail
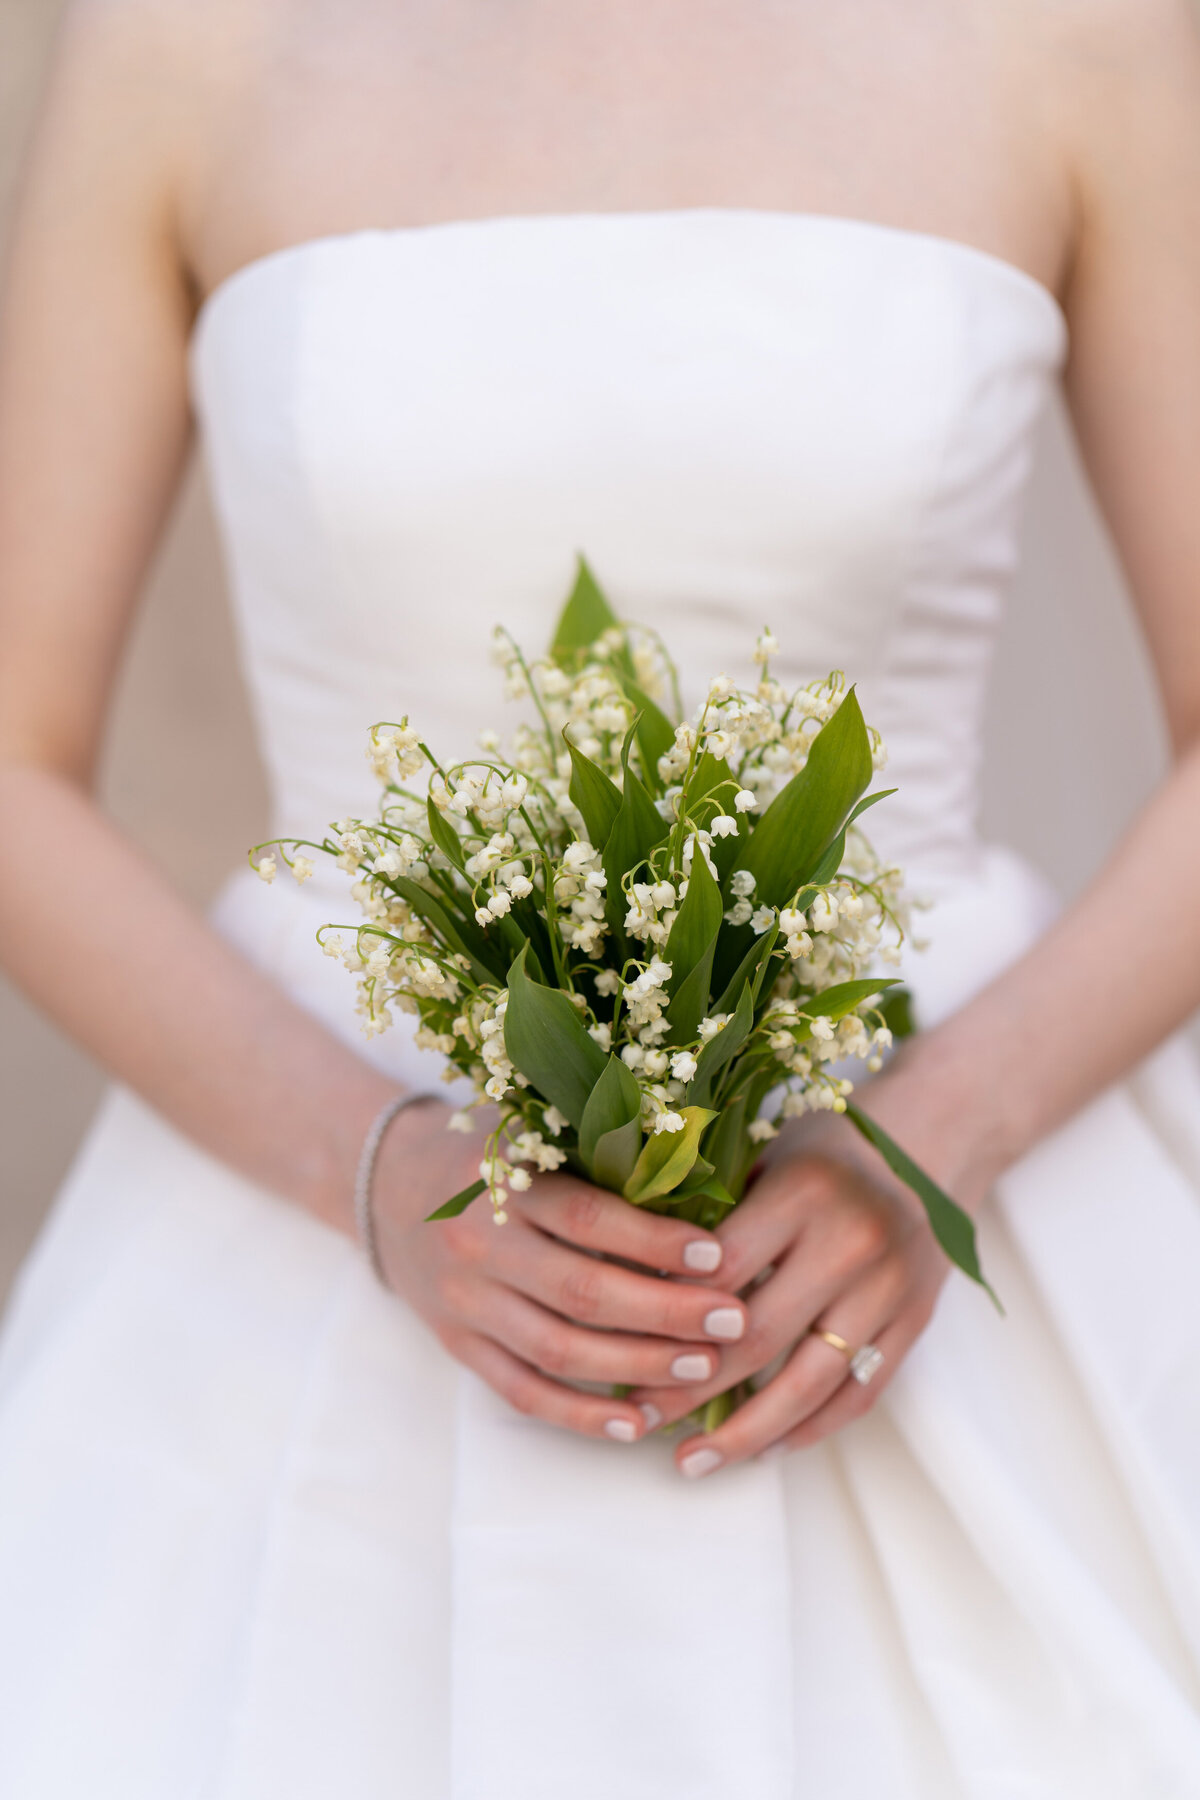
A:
(691, 1368)
(651, 1415)
(700, 1462)
(624, 1430)
(725, 1322)
(703, 1255)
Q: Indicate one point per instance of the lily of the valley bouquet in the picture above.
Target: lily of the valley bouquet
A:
(645, 939)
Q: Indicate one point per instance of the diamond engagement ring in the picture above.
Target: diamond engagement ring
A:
(865, 1363)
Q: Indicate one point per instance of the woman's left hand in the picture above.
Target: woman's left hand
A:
(832, 1242)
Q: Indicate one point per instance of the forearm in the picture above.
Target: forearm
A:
(1115, 975)
(101, 942)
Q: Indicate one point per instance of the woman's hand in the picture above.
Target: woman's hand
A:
(530, 1306)
(826, 1240)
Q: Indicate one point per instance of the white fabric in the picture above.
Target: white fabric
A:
(259, 1538)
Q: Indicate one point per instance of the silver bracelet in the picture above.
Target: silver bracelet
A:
(364, 1214)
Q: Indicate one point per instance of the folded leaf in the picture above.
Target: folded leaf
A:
(952, 1227)
(450, 1209)
(547, 1041)
(598, 798)
(613, 1102)
(750, 969)
(667, 1157)
(689, 1003)
(696, 924)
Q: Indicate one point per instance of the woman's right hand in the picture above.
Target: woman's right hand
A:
(531, 1305)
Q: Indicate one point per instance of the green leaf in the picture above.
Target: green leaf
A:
(450, 1209)
(615, 1156)
(655, 733)
(721, 1049)
(547, 1041)
(689, 1002)
(896, 1011)
(460, 935)
(584, 618)
(841, 999)
(613, 1102)
(637, 828)
(726, 1142)
(952, 1227)
(702, 802)
(667, 1157)
(444, 835)
(598, 798)
(696, 925)
(803, 820)
(751, 969)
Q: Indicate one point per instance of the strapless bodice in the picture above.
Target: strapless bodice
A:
(739, 417)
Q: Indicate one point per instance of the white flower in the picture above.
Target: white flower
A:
(822, 1029)
(669, 1121)
(602, 1034)
(482, 916)
(745, 800)
(333, 944)
(709, 1027)
(823, 913)
(663, 895)
(302, 868)
(496, 1088)
(799, 944)
(740, 913)
(460, 1121)
(762, 1131)
(766, 646)
(720, 688)
(742, 884)
(520, 1179)
(554, 1121)
(655, 1063)
(720, 744)
(499, 904)
(578, 857)
(608, 982)
(519, 886)
(683, 1065)
(267, 867)
(791, 921)
(724, 826)
(763, 919)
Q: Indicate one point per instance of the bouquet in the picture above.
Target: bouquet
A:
(646, 940)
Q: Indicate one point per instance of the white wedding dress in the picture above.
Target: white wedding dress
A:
(260, 1539)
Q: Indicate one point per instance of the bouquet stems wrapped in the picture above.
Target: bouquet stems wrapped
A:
(646, 940)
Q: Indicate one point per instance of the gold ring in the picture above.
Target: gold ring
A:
(865, 1362)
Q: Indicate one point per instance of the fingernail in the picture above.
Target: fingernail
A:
(624, 1430)
(651, 1415)
(691, 1368)
(702, 1255)
(725, 1322)
(700, 1462)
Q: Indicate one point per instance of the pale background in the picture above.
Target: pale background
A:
(1075, 740)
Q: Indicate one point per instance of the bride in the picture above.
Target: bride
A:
(756, 305)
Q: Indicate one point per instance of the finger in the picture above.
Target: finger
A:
(596, 1220)
(592, 1292)
(851, 1400)
(811, 1376)
(570, 1353)
(534, 1394)
(803, 1196)
(778, 1314)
